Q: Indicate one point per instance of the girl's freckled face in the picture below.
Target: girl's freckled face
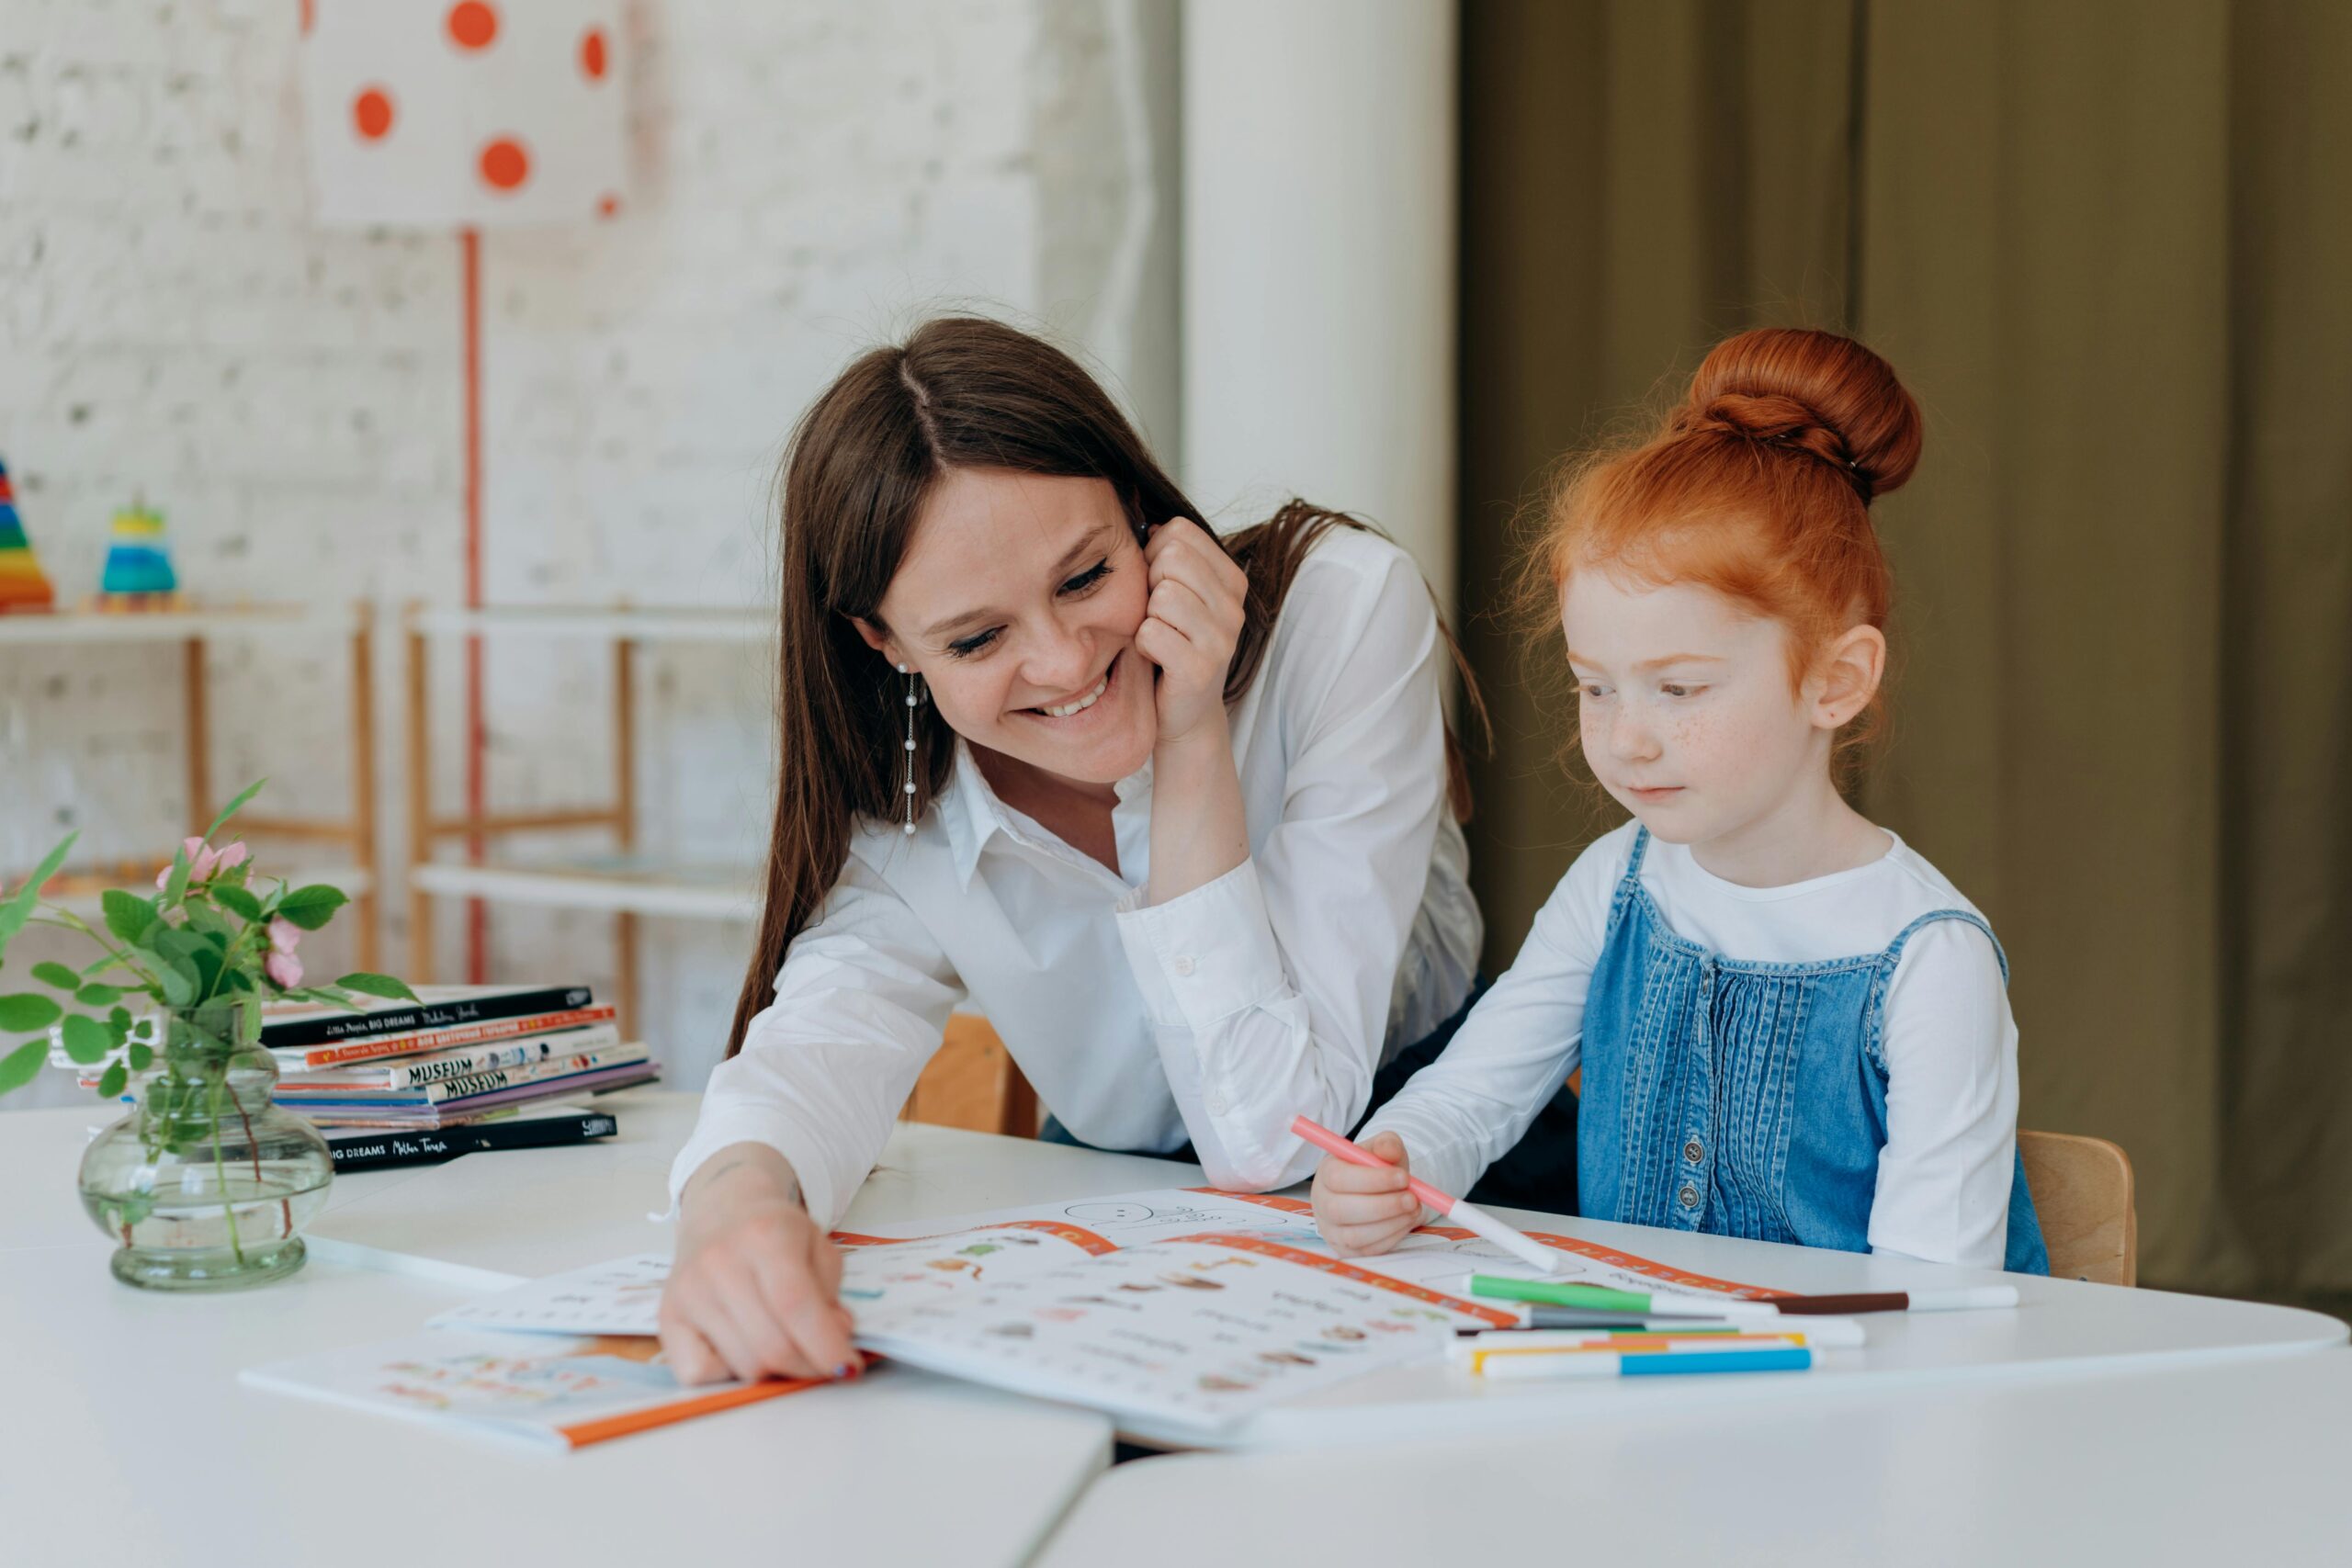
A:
(1684, 705)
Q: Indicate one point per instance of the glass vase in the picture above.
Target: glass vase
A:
(206, 1184)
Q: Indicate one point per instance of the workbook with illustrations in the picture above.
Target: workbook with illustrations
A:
(1177, 1311)
(555, 1391)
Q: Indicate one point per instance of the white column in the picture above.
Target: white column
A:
(1319, 276)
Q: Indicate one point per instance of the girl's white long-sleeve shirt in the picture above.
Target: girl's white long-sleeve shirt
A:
(1278, 988)
(1950, 1042)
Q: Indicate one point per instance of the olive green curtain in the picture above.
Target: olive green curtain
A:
(2109, 246)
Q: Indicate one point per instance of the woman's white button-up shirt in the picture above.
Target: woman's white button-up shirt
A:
(1217, 1016)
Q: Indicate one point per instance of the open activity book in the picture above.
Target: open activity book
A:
(1175, 1310)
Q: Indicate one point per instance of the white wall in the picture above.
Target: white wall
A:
(813, 175)
(1320, 235)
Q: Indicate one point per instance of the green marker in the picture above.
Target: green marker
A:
(1601, 1297)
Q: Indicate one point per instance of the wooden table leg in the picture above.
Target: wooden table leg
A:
(199, 737)
(420, 812)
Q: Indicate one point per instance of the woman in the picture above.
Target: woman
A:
(1169, 810)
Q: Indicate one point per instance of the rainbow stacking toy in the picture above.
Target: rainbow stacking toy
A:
(22, 586)
(139, 561)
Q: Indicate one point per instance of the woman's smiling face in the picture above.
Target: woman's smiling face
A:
(1018, 603)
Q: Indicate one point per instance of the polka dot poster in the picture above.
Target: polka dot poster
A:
(455, 113)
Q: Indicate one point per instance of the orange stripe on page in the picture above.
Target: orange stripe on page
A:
(1243, 1242)
(1263, 1200)
(588, 1432)
(1085, 1240)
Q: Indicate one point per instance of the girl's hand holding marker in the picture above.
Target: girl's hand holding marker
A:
(1365, 1199)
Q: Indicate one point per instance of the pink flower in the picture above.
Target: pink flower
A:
(201, 862)
(283, 935)
(284, 968)
(232, 857)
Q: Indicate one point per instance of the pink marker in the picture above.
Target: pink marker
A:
(1462, 1213)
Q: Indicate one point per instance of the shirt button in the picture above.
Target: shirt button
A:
(1215, 1103)
(1690, 1196)
(1694, 1151)
(1183, 963)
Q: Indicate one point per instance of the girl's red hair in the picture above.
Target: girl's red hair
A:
(1756, 485)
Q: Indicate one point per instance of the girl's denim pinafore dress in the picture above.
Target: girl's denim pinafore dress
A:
(1743, 1099)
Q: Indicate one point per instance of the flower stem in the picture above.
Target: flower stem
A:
(220, 1175)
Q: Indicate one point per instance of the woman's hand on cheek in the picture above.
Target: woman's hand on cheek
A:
(1192, 623)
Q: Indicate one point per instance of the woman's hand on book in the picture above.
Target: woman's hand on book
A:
(1365, 1209)
(755, 1289)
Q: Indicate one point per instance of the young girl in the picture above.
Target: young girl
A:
(1791, 1027)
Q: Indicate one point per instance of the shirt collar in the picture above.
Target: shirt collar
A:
(972, 815)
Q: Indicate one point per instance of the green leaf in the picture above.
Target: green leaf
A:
(97, 996)
(142, 1058)
(110, 1082)
(378, 985)
(20, 908)
(207, 959)
(175, 885)
(235, 806)
(128, 915)
(177, 977)
(312, 906)
(85, 1039)
(57, 975)
(21, 1065)
(233, 981)
(237, 901)
(27, 1010)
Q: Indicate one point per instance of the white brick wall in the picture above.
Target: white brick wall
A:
(812, 174)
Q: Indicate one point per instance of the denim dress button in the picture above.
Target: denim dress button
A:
(1690, 1196)
(1694, 1151)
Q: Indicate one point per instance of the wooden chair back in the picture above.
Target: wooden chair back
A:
(973, 1083)
(2082, 1194)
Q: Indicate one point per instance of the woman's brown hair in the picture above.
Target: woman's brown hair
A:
(961, 393)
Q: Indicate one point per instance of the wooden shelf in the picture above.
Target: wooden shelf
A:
(193, 627)
(678, 624)
(355, 880)
(622, 885)
(173, 625)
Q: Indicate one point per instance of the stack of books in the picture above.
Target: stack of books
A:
(457, 1055)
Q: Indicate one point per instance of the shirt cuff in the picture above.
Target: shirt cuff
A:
(723, 1124)
(1206, 955)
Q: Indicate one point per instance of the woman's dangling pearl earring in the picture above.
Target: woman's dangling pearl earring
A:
(909, 790)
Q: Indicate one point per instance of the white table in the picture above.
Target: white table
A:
(505, 1214)
(125, 1437)
(2243, 1463)
(901, 1466)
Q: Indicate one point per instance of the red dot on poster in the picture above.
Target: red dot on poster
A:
(474, 24)
(309, 16)
(371, 112)
(591, 55)
(505, 165)
(609, 205)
